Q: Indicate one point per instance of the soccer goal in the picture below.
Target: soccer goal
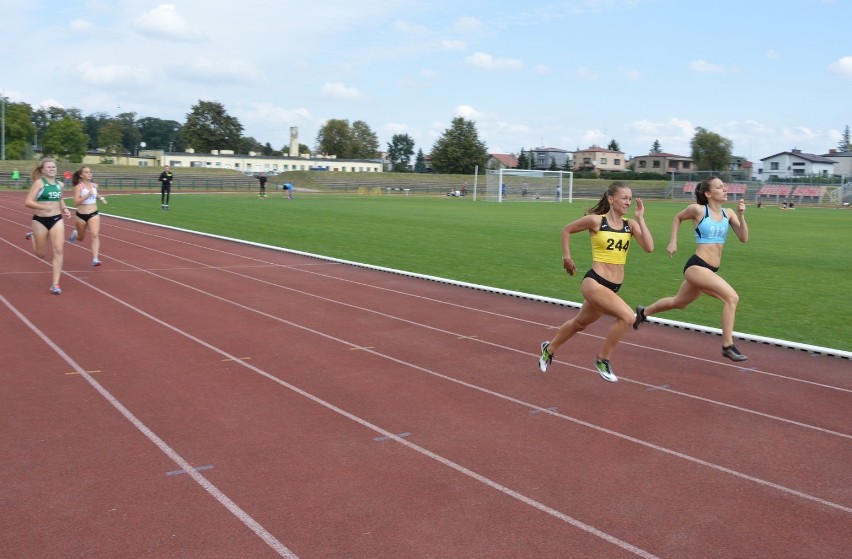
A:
(521, 185)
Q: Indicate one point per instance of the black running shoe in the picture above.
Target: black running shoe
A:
(732, 353)
(640, 317)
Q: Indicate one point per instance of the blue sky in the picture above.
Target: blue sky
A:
(770, 76)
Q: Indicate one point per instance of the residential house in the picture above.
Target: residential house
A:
(740, 168)
(662, 163)
(598, 159)
(544, 158)
(844, 163)
(794, 163)
(498, 161)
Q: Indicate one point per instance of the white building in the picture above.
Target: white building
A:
(844, 163)
(794, 163)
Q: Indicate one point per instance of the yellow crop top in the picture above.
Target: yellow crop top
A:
(611, 245)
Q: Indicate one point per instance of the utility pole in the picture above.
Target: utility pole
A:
(3, 133)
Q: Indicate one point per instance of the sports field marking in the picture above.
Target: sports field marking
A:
(472, 386)
(233, 507)
(507, 348)
(185, 466)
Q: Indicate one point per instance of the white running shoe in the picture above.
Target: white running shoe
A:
(605, 370)
(546, 357)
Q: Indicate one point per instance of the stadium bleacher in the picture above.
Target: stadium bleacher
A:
(733, 188)
(814, 192)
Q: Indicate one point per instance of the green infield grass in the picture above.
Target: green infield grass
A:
(794, 276)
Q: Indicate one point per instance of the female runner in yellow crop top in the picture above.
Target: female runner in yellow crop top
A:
(611, 234)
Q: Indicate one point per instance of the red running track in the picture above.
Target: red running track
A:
(196, 397)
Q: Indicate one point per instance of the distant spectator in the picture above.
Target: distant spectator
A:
(166, 178)
(16, 176)
(66, 176)
(261, 179)
(288, 189)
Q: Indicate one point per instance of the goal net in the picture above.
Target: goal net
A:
(521, 185)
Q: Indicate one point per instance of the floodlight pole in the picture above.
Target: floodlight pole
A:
(3, 118)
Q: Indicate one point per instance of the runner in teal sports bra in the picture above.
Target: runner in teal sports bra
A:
(700, 273)
(45, 199)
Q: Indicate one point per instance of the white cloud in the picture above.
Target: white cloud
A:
(394, 128)
(410, 29)
(772, 54)
(47, 103)
(488, 62)
(796, 134)
(113, 74)
(467, 25)
(468, 112)
(270, 112)
(586, 74)
(631, 74)
(674, 134)
(448, 44)
(590, 138)
(843, 67)
(164, 22)
(542, 70)
(341, 92)
(708, 68)
(81, 26)
(218, 70)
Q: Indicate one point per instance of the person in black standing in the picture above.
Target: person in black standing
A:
(166, 178)
(261, 178)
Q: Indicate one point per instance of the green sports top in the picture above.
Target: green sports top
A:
(49, 192)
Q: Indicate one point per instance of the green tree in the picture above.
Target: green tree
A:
(710, 151)
(110, 136)
(19, 130)
(523, 160)
(613, 145)
(459, 150)
(209, 127)
(420, 162)
(159, 134)
(569, 164)
(400, 152)
(248, 145)
(656, 147)
(65, 139)
(845, 143)
(334, 137)
(92, 125)
(364, 144)
(44, 116)
(337, 137)
(130, 135)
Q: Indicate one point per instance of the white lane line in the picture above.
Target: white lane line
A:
(661, 388)
(436, 374)
(185, 466)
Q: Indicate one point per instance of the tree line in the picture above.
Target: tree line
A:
(67, 134)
